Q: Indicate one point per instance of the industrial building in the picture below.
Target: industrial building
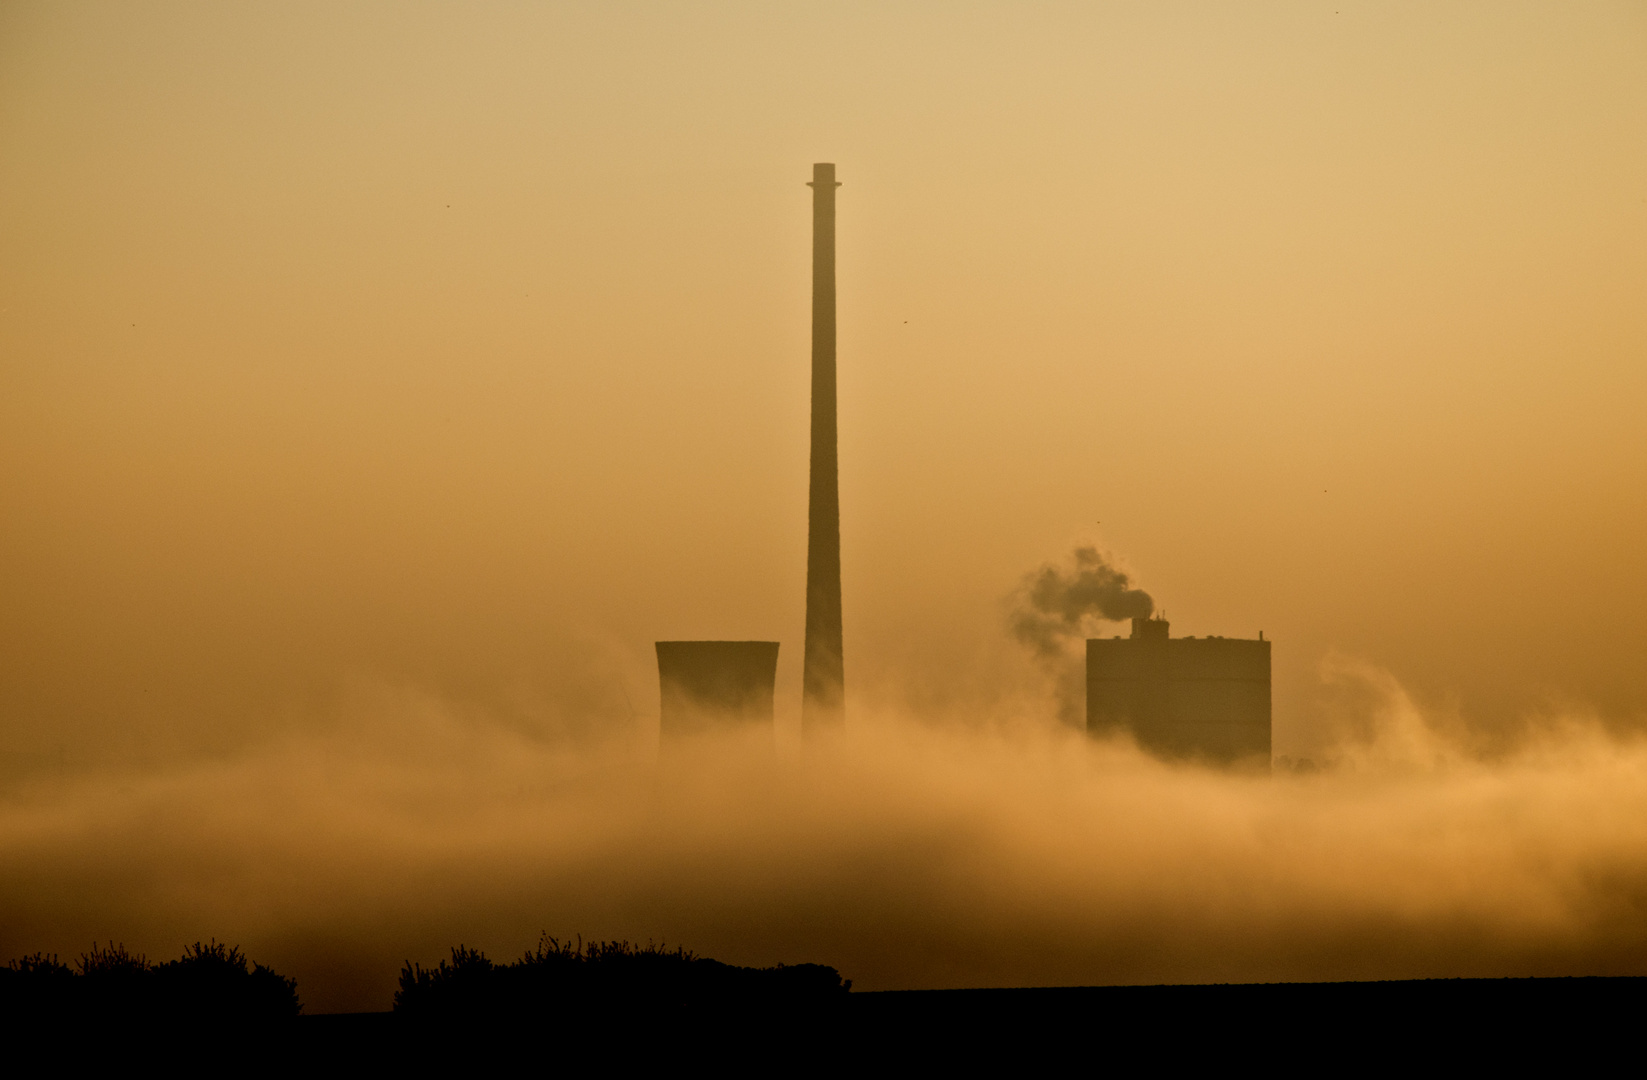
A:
(715, 686)
(1190, 698)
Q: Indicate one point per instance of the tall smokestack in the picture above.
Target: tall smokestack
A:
(822, 677)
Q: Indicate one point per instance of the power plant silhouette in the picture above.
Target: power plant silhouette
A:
(1205, 699)
(710, 685)
(727, 684)
(1202, 698)
(823, 676)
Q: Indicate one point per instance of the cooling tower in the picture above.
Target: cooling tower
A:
(715, 685)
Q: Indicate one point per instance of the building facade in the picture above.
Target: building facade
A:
(1204, 699)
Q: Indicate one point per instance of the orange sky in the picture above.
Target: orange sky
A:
(464, 347)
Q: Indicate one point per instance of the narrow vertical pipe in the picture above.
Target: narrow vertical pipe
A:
(823, 677)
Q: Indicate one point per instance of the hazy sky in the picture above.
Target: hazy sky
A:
(464, 347)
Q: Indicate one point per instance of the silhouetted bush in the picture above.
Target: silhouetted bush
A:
(218, 981)
(211, 984)
(606, 978)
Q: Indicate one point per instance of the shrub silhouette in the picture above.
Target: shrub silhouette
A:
(211, 984)
(112, 964)
(569, 980)
(40, 966)
(216, 981)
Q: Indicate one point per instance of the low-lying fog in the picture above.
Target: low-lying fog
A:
(906, 853)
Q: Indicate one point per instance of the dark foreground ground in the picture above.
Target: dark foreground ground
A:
(1293, 1026)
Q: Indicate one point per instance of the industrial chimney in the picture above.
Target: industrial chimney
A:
(822, 675)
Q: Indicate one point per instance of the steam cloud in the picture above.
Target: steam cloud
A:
(905, 854)
(1056, 606)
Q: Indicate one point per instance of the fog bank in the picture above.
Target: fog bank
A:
(905, 854)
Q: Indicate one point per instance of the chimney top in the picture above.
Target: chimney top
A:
(1150, 629)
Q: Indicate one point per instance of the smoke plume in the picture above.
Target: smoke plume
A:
(1056, 606)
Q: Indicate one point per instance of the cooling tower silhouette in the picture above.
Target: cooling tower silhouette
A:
(715, 685)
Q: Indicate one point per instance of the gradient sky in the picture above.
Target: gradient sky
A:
(465, 347)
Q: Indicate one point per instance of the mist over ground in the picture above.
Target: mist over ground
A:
(378, 384)
(907, 854)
